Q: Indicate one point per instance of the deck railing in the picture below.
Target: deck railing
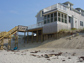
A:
(34, 26)
(59, 6)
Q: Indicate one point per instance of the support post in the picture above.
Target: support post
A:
(27, 36)
(16, 40)
(32, 36)
(41, 36)
(24, 36)
(9, 43)
(37, 36)
(2, 41)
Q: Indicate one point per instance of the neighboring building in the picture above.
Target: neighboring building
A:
(59, 16)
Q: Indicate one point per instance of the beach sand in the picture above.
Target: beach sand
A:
(62, 50)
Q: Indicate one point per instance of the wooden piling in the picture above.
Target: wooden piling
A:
(32, 36)
(9, 43)
(37, 36)
(24, 36)
(27, 37)
(41, 36)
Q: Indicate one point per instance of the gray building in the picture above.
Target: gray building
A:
(59, 16)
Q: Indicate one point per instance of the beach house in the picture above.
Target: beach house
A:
(56, 17)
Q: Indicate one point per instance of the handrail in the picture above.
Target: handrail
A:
(35, 26)
(2, 33)
(9, 32)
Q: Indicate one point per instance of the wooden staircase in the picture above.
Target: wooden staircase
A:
(7, 35)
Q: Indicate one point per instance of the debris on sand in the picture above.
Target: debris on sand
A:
(46, 56)
(73, 54)
(81, 59)
(34, 52)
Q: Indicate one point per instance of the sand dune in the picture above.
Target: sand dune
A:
(76, 42)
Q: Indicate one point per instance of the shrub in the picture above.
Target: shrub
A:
(73, 29)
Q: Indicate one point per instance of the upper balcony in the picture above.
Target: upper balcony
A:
(35, 26)
(59, 7)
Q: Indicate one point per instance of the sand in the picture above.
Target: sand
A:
(28, 56)
(63, 50)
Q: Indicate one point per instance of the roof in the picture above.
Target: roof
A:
(38, 13)
(79, 9)
(68, 2)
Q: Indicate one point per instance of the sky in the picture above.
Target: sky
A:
(23, 12)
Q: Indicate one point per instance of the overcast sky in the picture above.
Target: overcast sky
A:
(23, 12)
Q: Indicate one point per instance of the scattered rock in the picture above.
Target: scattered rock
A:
(81, 58)
(34, 52)
(53, 51)
(38, 56)
(63, 60)
(46, 56)
(50, 55)
(48, 59)
(41, 55)
(58, 54)
(73, 54)
(33, 55)
(69, 58)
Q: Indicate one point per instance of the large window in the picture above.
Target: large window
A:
(48, 16)
(55, 14)
(59, 14)
(55, 18)
(59, 19)
(51, 15)
(69, 19)
(51, 19)
(48, 21)
(44, 21)
(44, 17)
(81, 23)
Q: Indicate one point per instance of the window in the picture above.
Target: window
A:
(44, 21)
(55, 19)
(48, 21)
(48, 16)
(62, 20)
(55, 14)
(62, 15)
(65, 21)
(51, 19)
(44, 17)
(65, 16)
(58, 14)
(81, 23)
(59, 19)
(69, 19)
(51, 15)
